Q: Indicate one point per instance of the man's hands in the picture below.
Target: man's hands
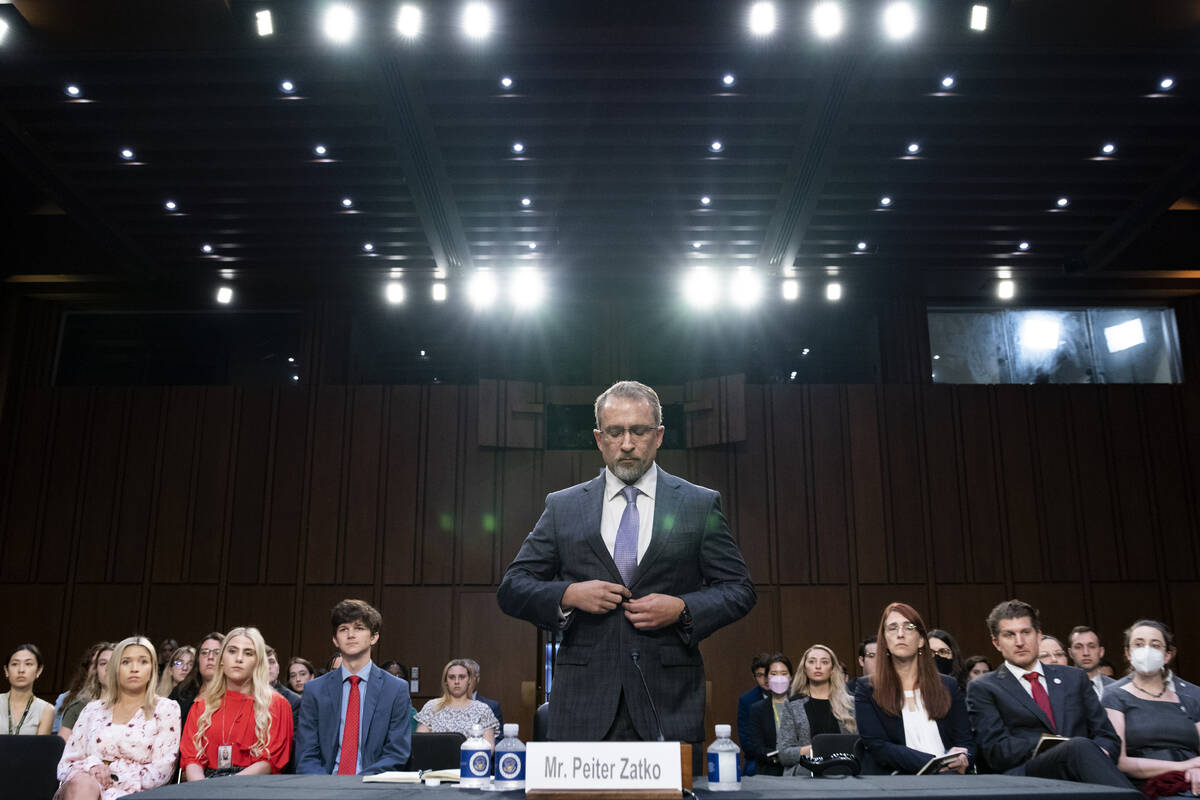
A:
(654, 611)
(594, 597)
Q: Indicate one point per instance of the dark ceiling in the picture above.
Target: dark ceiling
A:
(616, 105)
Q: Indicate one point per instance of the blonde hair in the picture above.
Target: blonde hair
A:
(167, 682)
(839, 699)
(214, 693)
(445, 698)
(111, 685)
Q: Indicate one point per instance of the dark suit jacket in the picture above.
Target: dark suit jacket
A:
(1008, 723)
(762, 723)
(292, 698)
(494, 705)
(744, 730)
(385, 732)
(691, 555)
(883, 734)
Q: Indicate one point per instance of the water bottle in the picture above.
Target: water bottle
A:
(724, 769)
(510, 760)
(475, 760)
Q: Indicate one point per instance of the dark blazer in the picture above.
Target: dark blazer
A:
(691, 555)
(494, 705)
(883, 734)
(292, 698)
(744, 731)
(1008, 723)
(762, 722)
(385, 732)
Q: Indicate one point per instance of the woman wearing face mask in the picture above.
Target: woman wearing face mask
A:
(1158, 722)
(1052, 651)
(947, 657)
(767, 716)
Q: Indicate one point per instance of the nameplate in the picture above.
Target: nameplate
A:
(603, 766)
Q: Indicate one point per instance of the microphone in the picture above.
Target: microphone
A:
(635, 655)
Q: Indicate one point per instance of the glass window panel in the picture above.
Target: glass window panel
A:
(967, 347)
(1049, 346)
(1136, 345)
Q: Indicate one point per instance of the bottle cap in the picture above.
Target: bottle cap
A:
(511, 729)
(722, 731)
(476, 731)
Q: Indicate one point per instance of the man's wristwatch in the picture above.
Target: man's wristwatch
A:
(685, 618)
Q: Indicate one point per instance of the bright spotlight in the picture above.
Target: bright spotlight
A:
(481, 290)
(948, 82)
(287, 87)
(913, 148)
(506, 82)
(394, 292)
(1023, 246)
(368, 247)
(745, 288)
(170, 205)
(728, 79)
(1166, 84)
(700, 288)
(790, 289)
(1039, 333)
(716, 146)
(73, 91)
(899, 20)
(339, 23)
(408, 21)
(438, 292)
(833, 291)
(266, 25)
(861, 246)
(1108, 149)
(1006, 289)
(347, 202)
(320, 150)
(706, 201)
(224, 295)
(518, 147)
(762, 19)
(206, 248)
(1124, 336)
(526, 289)
(827, 19)
(526, 202)
(477, 20)
(3, 30)
(979, 17)
(885, 201)
(1062, 202)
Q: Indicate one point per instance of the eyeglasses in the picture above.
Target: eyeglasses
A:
(944, 652)
(210, 653)
(896, 627)
(187, 664)
(638, 432)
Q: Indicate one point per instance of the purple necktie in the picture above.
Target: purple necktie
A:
(626, 547)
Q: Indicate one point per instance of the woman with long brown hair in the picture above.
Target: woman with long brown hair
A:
(907, 711)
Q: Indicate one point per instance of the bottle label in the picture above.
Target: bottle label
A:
(510, 766)
(475, 763)
(724, 768)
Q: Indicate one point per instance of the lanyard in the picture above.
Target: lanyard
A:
(28, 705)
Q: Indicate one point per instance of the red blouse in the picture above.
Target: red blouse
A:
(233, 724)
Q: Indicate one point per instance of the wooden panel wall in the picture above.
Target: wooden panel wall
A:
(179, 510)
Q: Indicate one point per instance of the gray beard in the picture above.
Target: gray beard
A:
(629, 475)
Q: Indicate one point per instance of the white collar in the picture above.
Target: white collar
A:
(645, 484)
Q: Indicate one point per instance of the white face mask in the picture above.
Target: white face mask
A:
(778, 683)
(1147, 660)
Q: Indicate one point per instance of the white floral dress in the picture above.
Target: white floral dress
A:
(458, 720)
(141, 753)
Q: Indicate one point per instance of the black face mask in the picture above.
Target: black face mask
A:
(944, 665)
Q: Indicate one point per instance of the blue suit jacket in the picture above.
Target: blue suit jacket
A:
(883, 734)
(745, 731)
(494, 705)
(1008, 723)
(385, 733)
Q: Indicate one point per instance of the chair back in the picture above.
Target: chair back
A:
(541, 723)
(435, 751)
(29, 765)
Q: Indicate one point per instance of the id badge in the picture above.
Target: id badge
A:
(224, 756)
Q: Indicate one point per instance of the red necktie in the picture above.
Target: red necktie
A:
(1040, 697)
(348, 762)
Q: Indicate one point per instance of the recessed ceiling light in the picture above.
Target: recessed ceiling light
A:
(805, 351)
(533, 245)
(885, 201)
(790, 289)
(833, 291)
(899, 20)
(936, 357)
(73, 91)
(706, 200)
(1108, 149)
(728, 79)
(295, 379)
(438, 292)
(827, 19)
(320, 150)
(482, 290)
(716, 146)
(206, 248)
(862, 245)
(1005, 289)
(264, 23)
(762, 19)
(1166, 84)
(224, 295)
(347, 202)
(394, 292)
(1023, 246)
(948, 82)
(287, 87)
(291, 359)
(518, 147)
(979, 17)
(170, 205)
(913, 148)
(506, 82)
(697, 245)
(127, 154)
(1062, 202)
(477, 20)
(408, 21)
(526, 202)
(368, 247)
(339, 23)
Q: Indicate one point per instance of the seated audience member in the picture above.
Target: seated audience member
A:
(767, 716)
(273, 676)
(1106, 669)
(92, 686)
(208, 658)
(85, 669)
(355, 719)
(1013, 706)
(165, 648)
(947, 656)
(1083, 644)
(125, 741)
(183, 661)
(1159, 727)
(820, 703)
(395, 668)
(976, 667)
(1052, 651)
(868, 650)
(239, 725)
(21, 711)
(300, 672)
(455, 710)
(758, 668)
(494, 705)
(909, 711)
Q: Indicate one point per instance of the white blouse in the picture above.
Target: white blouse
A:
(920, 732)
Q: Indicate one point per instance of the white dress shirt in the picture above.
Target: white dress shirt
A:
(920, 732)
(1020, 675)
(614, 507)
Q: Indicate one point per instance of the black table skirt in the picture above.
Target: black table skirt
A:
(944, 787)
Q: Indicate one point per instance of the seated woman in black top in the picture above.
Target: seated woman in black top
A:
(766, 717)
(820, 703)
(908, 712)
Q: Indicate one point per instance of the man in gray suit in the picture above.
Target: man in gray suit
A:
(636, 567)
(1086, 652)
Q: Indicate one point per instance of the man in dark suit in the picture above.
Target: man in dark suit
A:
(1083, 644)
(636, 567)
(354, 720)
(1014, 705)
(745, 732)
